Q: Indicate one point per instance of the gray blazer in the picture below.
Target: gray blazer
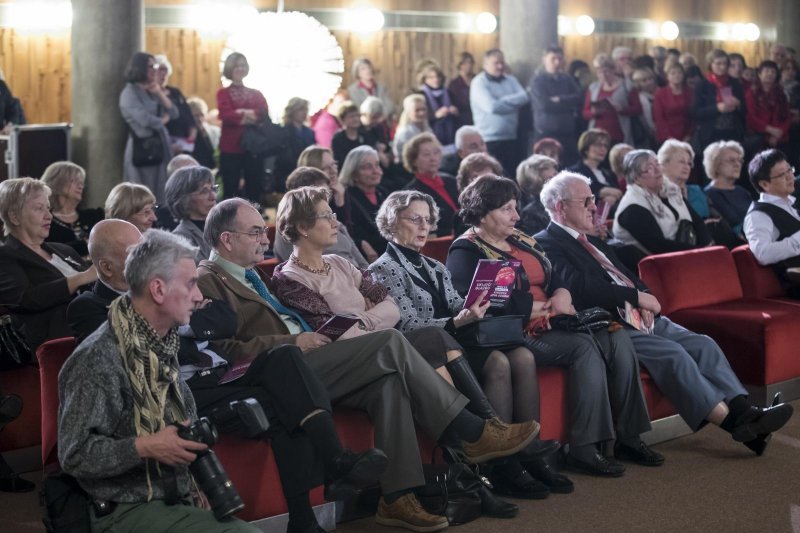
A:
(415, 303)
(192, 233)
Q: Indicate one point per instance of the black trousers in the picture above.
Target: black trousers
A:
(288, 391)
(235, 166)
(507, 153)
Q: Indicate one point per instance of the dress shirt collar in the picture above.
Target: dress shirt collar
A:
(231, 268)
(777, 200)
(574, 234)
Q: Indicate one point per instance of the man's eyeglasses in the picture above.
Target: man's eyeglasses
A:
(589, 200)
(258, 234)
(787, 174)
(418, 220)
(208, 190)
(330, 217)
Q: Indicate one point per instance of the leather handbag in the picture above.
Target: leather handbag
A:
(14, 350)
(686, 233)
(263, 139)
(147, 151)
(585, 321)
(451, 490)
(492, 332)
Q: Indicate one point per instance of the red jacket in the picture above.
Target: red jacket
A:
(672, 114)
(229, 99)
(767, 109)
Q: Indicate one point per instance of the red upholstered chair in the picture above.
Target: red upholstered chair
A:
(700, 290)
(438, 247)
(25, 431)
(757, 281)
(51, 356)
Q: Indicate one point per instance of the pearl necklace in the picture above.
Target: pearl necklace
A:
(325, 270)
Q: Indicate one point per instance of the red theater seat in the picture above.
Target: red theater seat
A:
(437, 248)
(757, 281)
(51, 356)
(25, 431)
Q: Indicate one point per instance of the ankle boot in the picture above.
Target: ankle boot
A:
(467, 384)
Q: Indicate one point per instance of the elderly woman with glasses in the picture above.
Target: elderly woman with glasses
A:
(423, 290)
(723, 162)
(605, 399)
(361, 175)
(133, 203)
(191, 193)
(652, 214)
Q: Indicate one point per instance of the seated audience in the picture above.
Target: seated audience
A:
(532, 174)
(772, 226)
(442, 114)
(422, 289)
(605, 396)
(413, 121)
(361, 174)
(652, 214)
(549, 147)
(593, 145)
(723, 161)
(344, 246)
(133, 203)
(378, 372)
(351, 135)
(70, 225)
(672, 107)
(472, 167)
(690, 369)
(191, 193)
(468, 141)
(37, 279)
(422, 156)
(277, 373)
(615, 158)
(376, 129)
(321, 158)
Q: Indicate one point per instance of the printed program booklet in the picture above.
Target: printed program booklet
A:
(494, 276)
(337, 325)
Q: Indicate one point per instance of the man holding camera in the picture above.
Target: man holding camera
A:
(121, 397)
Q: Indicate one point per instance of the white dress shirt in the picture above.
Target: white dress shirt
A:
(762, 234)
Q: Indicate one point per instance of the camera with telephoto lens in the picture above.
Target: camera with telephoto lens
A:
(208, 471)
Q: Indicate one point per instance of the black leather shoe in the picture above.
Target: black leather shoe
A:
(640, 454)
(541, 470)
(354, 471)
(600, 465)
(495, 507)
(757, 421)
(759, 444)
(524, 486)
(14, 483)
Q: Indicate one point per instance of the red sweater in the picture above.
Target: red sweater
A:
(672, 114)
(229, 99)
(767, 109)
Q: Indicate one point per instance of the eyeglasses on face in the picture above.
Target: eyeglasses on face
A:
(208, 190)
(256, 233)
(330, 217)
(733, 160)
(787, 174)
(148, 210)
(418, 220)
(589, 200)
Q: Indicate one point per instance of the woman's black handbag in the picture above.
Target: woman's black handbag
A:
(451, 489)
(264, 139)
(14, 350)
(147, 151)
(588, 320)
(492, 332)
(686, 233)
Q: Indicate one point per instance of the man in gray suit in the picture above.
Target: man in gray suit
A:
(689, 368)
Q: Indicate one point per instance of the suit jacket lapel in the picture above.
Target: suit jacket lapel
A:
(233, 284)
(32, 257)
(576, 249)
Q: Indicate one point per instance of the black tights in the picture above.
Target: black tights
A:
(510, 384)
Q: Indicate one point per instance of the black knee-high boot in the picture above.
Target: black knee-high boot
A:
(467, 384)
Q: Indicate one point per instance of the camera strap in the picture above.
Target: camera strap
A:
(169, 482)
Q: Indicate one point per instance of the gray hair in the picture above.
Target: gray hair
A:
(712, 153)
(398, 202)
(352, 163)
(529, 172)
(357, 65)
(180, 186)
(633, 163)
(161, 59)
(462, 132)
(221, 218)
(557, 189)
(156, 256)
(371, 106)
(671, 147)
(13, 195)
(180, 161)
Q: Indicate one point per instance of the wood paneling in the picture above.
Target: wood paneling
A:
(37, 66)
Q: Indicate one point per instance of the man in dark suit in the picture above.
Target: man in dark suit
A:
(689, 368)
(302, 432)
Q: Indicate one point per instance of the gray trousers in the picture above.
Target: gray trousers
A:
(689, 368)
(157, 517)
(604, 394)
(383, 375)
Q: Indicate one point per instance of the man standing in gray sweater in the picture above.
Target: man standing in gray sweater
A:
(121, 394)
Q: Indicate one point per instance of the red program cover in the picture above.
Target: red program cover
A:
(495, 276)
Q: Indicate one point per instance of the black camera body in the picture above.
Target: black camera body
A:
(209, 472)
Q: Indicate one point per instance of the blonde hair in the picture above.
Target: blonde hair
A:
(712, 153)
(295, 104)
(297, 210)
(408, 108)
(13, 195)
(671, 147)
(529, 172)
(127, 199)
(60, 175)
(413, 146)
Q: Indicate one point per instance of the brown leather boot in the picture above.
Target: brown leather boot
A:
(407, 512)
(500, 440)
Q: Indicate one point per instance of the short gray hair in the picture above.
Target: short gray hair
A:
(161, 59)
(156, 256)
(713, 152)
(632, 164)
(181, 184)
(371, 106)
(671, 147)
(462, 132)
(13, 195)
(180, 161)
(352, 163)
(557, 189)
(221, 218)
(398, 202)
(529, 172)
